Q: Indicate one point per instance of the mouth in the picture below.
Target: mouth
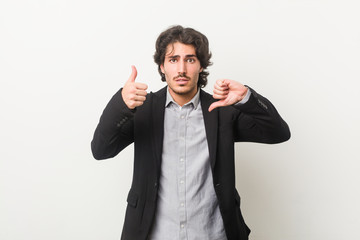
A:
(182, 80)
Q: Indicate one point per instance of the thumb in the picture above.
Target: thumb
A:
(133, 74)
(216, 105)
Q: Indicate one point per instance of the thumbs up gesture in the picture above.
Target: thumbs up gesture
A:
(228, 92)
(133, 93)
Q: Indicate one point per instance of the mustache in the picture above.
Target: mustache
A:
(182, 75)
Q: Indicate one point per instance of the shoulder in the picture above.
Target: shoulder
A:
(155, 96)
(160, 93)
(206, 96)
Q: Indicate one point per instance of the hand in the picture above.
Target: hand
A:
(228, 92)
(133, 93)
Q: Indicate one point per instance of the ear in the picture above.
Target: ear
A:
(162, 68)
(201, 69)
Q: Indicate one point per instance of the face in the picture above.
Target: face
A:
(181, 68)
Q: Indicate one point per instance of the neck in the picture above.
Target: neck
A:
(182, 99)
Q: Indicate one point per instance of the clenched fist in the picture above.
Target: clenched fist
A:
(133, 93)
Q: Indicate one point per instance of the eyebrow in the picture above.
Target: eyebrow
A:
(186, 56)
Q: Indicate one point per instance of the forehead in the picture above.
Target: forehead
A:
(180, 49)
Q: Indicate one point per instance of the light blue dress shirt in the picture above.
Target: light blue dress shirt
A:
(187, 207)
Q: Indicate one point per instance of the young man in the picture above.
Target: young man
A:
(184, 175)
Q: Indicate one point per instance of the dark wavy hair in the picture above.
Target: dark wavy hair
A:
(185, 36)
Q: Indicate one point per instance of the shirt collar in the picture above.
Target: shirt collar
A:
(195, 100)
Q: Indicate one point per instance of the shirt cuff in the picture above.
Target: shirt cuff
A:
(245, 99)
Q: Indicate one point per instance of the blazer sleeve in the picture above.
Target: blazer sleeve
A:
(115, 130)
(259, 121)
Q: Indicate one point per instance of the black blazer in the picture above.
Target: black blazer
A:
(255, 121)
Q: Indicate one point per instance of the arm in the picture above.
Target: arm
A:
(115, 130)
(257, 119)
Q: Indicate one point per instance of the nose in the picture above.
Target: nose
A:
(182, 67)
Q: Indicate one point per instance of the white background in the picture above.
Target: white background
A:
(62, 60)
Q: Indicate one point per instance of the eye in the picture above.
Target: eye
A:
(173, 60)
(190, 60)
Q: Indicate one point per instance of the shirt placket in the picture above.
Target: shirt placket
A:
(182, 172)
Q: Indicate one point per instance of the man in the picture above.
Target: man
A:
(184, 176)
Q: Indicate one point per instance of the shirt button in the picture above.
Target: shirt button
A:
(182, 225)
(182, 181)
(182, 204)
(182, 116)
(181, 159)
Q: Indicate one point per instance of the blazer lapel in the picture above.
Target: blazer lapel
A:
(211, 125)
(158, 110)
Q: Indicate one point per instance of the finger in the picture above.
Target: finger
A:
(141, 86)
(217, 96)
(222, 83)
(138, 103)
(216, 105)
(140, 92)
(220, 92)
(220, 86)
(133, 74)
(133, 104)
(135, 93)
(139, 98)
